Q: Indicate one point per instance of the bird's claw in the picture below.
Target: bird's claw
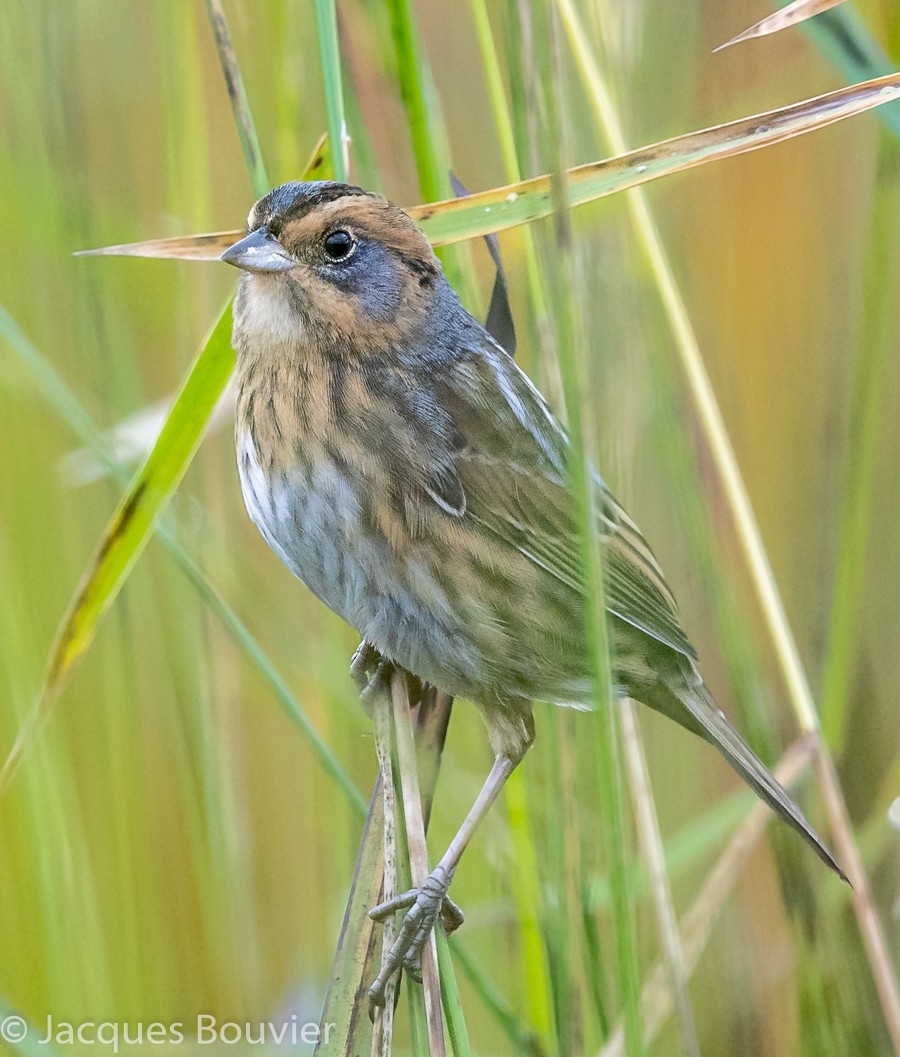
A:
(365, 658)
(424, 907)
(371, 672)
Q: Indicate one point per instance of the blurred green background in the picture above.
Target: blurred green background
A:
(170, 844)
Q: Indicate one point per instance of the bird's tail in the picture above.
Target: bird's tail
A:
(695, 709)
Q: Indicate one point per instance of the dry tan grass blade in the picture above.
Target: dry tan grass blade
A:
(184, 247)
(486, 212)
(418, 855)
(383, 1028)
(697, 924)
(651, 846)
(792, 15)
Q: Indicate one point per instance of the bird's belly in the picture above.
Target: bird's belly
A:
(310, 519)
(315, 522)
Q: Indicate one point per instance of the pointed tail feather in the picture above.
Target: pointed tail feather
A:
(707, 720)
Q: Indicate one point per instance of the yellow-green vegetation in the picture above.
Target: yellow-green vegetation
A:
(180, 812)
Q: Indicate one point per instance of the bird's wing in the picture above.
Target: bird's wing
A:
(511, 468)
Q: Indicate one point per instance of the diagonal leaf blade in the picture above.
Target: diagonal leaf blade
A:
(530, 200)
(148, 493)
(500, 208)
(129, 529)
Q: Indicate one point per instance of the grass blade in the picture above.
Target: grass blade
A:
(429, 148)
(843, 37)
(243, 115)
(209, 247)
(792, 15)
(697, 923)
(530, 200)
(572, 350)
(648, 831)
(859, 471)
(418, 854)
(344, 1026)
(485, 212)
(148, 494)
(129, 529)
(749, 536)
(329, 51)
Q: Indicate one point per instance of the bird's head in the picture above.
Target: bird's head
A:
(330, 262)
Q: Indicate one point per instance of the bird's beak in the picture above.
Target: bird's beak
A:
(258, 252)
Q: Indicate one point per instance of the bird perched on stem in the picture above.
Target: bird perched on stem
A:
(400, 463)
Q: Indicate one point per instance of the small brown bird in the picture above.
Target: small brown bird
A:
(400, 463)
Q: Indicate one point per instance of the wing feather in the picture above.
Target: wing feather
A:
(512, 470)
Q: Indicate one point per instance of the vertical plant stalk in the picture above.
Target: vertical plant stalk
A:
(329, 51)
(748, 532)
(427, 132)
(506, 136)
(526, 888)
(573, 360)
(355, 961)
(240, 106)
(651, 842)
(697, 924)
(344, 1026)
(867, 412)
(863, 905)
(383, 1032)
(418, 855)
(526, 893)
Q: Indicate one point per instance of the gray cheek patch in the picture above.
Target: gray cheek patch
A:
(374, 280)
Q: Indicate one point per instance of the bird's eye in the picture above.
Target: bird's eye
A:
(339, 245)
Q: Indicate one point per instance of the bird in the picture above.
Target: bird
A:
(402, 465)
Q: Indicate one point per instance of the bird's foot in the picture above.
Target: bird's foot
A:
(371, 672)
(425, 906)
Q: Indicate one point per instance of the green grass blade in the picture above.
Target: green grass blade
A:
(152, 488)
(573, 365)
(524, 1040)
(429, 148)
(130, 527)
(329, 52)
(426, 128)
(453, 1011)
(240, 106)
(574, 354)
(527, 898)
(651, 844)
(876, 342)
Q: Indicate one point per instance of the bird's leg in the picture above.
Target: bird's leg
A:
(430, 903)
(371, 672)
